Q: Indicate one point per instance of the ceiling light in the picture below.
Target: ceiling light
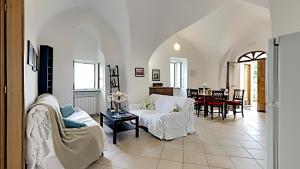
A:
(176, 46)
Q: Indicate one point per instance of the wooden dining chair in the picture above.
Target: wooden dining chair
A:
(201, 90)
(217, 100)
(188, 93)
(237, 100)
(199, 103)
(194, 95)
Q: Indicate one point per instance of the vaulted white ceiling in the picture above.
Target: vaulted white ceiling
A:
(226, 27)
(142, 25)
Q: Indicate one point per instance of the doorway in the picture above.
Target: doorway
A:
(2, 85)
(11, 84)
(252, 80)
(247, 84)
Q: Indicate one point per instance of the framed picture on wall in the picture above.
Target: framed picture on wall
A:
(30, 53)
(155, 75)
(139, 72)
(36, 62)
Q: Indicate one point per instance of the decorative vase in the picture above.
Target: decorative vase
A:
(117, 110)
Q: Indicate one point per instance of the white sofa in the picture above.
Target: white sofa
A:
(162, 122)
(40, 148)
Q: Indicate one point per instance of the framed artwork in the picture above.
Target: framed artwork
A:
(155, 75)
(139, 72)
(36, 61)
(30, 53)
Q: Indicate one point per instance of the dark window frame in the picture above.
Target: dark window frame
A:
(252, 56)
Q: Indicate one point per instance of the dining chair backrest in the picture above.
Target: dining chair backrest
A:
(208, 91)
(188, 93)
(201, 90)
(217, 95)
(194, 93)
(238, 94)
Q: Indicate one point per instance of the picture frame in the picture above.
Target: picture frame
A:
(155, 74)
(30, 53)
(139, 72)
(36, 63)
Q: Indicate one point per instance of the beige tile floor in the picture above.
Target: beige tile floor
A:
(217, 144)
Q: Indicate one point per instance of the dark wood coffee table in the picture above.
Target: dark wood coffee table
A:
(120, 123)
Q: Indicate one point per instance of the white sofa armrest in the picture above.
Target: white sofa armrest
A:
(134, 106)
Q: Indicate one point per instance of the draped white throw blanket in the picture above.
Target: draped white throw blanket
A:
(51, 145)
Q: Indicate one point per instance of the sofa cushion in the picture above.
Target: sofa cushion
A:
(163, 104)
(73, 124)
(67, 110)
(83, 117)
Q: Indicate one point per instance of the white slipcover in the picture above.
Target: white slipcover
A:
(40, 148)
(163, 123)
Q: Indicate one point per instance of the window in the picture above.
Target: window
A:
(86, 75)
(176, 72)
(252, 56)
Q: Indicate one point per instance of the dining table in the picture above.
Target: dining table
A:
(206, 97)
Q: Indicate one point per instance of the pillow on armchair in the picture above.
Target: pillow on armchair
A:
(148, 105)
(175, 108)
(67, 110)
(73, 124)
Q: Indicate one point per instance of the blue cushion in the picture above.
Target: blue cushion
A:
(73, 124)
(67, 110)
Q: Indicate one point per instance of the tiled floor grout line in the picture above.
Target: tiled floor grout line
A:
(211, 129)
(161, 154)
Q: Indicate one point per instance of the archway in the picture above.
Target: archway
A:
(252, 78)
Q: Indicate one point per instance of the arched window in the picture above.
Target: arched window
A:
(252, 56)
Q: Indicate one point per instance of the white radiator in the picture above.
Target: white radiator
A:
(87, 101)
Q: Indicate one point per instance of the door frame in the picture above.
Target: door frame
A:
(2, 86)
(249, 57)
(13, 45)
(261, 84)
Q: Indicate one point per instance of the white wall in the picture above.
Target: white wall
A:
(67, 34)
(161, 60)
(256, 38)
(285, 16)
(137, 28)
(30, 33)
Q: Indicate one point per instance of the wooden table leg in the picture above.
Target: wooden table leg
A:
(137, 127)
(114, 134)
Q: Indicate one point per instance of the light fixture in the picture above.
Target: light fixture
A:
(176, 46)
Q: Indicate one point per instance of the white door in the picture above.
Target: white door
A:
(289, 102)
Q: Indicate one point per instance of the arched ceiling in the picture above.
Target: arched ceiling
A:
(142, 25)
(224, 28)
(114, 12)
(152, 22)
